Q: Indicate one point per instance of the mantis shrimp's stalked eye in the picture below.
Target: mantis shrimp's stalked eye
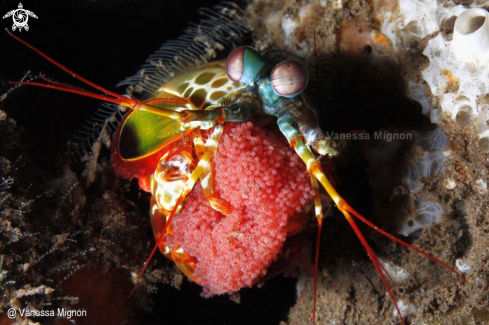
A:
(289, 78)
(234, 64)
(244, 65)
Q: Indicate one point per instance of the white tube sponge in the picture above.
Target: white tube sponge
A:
(471, 36)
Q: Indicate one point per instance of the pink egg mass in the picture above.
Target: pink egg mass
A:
(267, 184)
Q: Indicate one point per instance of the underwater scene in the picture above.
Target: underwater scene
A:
(252, 162)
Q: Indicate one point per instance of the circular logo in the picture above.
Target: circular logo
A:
(20, 17)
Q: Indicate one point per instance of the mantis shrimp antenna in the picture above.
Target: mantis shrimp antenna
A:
(115, 98)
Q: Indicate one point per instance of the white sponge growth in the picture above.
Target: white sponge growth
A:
(421, 17)
(458, 69)
(427, 152)
(431, 163)
(456, 84)
(426, 213)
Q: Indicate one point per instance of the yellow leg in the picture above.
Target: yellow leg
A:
(206, 178)
(314, 168)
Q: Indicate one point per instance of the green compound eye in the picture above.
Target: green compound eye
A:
(244, 65)
(289, 78)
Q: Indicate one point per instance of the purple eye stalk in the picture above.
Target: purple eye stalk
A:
(244, 64)
(289, 78)
(235, 64)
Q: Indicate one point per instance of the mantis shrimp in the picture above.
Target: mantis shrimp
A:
(161, 141)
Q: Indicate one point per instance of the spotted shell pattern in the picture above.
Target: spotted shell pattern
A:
(201, 87)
